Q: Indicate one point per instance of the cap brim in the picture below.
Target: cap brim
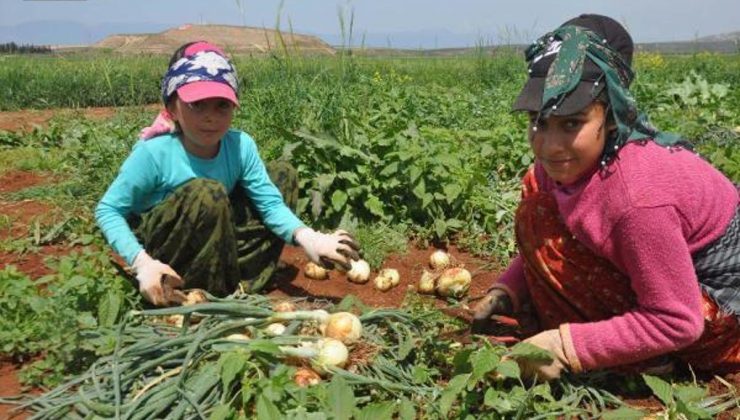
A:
(205, 89)
(530, 98)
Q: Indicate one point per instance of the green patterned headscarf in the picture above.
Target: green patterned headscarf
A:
(564, 74)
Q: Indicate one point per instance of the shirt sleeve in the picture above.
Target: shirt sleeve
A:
(649, 246)
(514, 283)
(264, 194)
(136, 179)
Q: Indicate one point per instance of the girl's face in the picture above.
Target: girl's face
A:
(203, 124)
(571, 145)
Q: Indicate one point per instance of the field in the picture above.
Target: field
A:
(410, 154)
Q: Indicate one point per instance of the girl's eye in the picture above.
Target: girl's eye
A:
(572, 124)
(197, 106)
(224, 105)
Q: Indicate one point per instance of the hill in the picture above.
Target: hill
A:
(234, 39)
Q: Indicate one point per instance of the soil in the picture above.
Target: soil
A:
(291, 281)
(9, 385)
(27, 120)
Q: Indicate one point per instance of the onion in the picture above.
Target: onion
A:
(176, 320)
(343, 326)
(238, 337)
(306, 377)
(315, 271)
(439, 260)
(195, 297)
(332, 353)
(427, 282)
(454, 282)
(387, 278)
(360, 272)
(275, 329)
(284, 306)
(325, 354)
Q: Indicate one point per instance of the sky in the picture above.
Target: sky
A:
(380, 21)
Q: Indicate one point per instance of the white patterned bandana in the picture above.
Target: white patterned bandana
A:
(201, 66)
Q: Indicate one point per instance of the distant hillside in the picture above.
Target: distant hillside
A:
(234, 39)
(730, 36)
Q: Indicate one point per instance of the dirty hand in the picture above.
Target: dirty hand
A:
(496, 302)
(328, 249)
(149, 273)
(545, 370)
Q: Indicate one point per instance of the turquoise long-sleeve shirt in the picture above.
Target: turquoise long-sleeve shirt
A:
(156, 167)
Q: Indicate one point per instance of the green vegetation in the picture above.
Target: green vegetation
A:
(392, 149)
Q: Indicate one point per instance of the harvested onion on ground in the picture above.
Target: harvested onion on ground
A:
(439, 260)
(454, 282)
(427, 282)
(315, 271)
(360, 272)
(387, 279)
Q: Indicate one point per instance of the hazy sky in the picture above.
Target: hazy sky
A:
(647, 20)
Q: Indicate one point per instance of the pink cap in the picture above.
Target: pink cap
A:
(205, 89)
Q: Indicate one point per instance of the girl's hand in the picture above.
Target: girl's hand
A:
(496, 302)
(149, 273)
(551, 341)
(328, 250)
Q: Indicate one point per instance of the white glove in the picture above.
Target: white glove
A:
(149, 273)
(328, 249)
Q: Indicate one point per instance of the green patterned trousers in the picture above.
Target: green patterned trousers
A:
(214, 240)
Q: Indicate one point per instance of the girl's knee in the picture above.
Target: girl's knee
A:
(208, 196)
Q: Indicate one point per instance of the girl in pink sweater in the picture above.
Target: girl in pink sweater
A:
(629, 243)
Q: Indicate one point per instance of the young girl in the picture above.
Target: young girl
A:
(629, 243)
(203, 206)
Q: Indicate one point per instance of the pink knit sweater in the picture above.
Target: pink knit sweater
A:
(655, 208)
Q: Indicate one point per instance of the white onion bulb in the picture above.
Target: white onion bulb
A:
(238, 337)
(439, 260)
(343, 326)
(360, 272)
(275, 329)
(315, 271)
(454, 282)
(332, 353)
(427, 282)
(284, 306)
(195, 297)
(387, 279)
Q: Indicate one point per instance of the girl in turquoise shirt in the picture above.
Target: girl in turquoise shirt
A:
(195, 201)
